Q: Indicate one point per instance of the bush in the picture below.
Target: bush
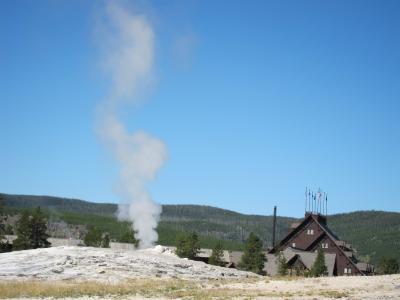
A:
(93, 237)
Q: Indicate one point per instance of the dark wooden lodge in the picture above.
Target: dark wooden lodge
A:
(301, 244)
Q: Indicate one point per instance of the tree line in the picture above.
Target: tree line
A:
(253, 258)
(31, 231)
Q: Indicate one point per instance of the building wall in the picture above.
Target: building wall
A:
(303, 240)
(342, 261)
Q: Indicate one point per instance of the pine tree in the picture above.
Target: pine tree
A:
(38, 224)
(282, 267)
(4, 245)
(181, 247)
(93, 237)
(24, 232)
(128, 236)
(253, 257)
(188, 246)
(388, 266)
(217, 256)
(319, 268)
(31, 231)
(9, 230)
(2, 226)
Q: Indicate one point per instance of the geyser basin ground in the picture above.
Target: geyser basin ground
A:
(102, 264)
(83, 273)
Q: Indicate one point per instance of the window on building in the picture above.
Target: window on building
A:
(325, 245)
(347, 270)
(310, 231)
(294, 245)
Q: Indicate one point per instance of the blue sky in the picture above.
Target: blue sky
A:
(255, 100)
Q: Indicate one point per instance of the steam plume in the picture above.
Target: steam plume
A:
(129, 61)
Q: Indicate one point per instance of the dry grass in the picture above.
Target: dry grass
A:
(286, 278)
(62, 289)
(170, 288)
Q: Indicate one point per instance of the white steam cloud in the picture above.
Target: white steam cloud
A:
(128, 58)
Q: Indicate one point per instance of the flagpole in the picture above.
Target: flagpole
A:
(305, 206)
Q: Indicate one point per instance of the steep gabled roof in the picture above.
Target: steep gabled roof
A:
(335, 241)
(308, 258)
(316, 241)
(325, 230)
(290, 234)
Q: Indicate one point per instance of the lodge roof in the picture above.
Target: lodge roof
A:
(306, 257)
(321, 222)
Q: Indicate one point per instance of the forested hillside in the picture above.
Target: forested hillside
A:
(372, 233)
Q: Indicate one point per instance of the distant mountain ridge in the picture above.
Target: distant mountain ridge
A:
(372, 233)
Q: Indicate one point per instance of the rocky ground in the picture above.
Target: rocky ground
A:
(95, 273)
(102, 264)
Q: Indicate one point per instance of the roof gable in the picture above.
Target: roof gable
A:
(320, 221)
(291, 234)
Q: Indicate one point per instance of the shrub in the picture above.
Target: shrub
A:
(93, 237)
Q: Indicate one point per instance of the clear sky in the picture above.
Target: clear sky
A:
(255, 100)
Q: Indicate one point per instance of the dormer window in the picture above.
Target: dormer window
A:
(347, 271)
(310, 231)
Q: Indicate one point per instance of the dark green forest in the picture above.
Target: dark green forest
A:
(372, 233)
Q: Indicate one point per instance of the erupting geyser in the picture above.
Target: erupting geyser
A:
(128, 58)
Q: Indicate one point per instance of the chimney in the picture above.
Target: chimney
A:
(274, 228)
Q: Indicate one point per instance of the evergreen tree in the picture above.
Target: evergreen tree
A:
(319, 268)
(24, 232)
(253, 257)
(217, 256)
(2, 226)
(188, 246)
(105, 243)
(9, 230)
(388, 266)
(4, 245)
(38, 225)
(181, 246)
(31, 231)
(93, 237)
(282, 267)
